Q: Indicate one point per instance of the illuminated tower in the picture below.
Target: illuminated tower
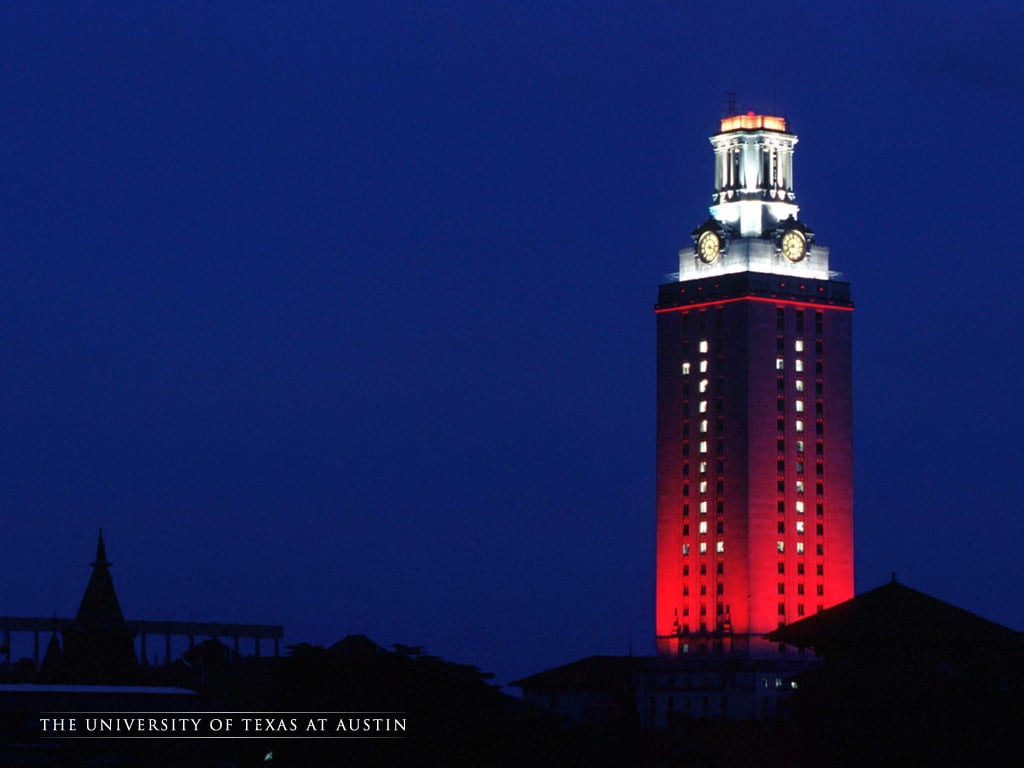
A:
(754, 412)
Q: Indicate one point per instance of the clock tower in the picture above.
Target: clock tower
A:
(754, 414)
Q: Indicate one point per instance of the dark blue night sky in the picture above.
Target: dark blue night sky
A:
(339, 316)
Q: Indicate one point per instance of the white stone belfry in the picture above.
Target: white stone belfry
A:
(753, 207)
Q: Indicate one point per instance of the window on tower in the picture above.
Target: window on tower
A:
(703, 526)
(780, 364)
(686, 369)
(703, 386)
(799, 526)
(798, 365)
(703, 366)
(703, 346)
(798, 345)
(780, 546)
(799, 405)
(799, 547)
(799, 425)
(719, 547)
(799, 385)
(703, 547)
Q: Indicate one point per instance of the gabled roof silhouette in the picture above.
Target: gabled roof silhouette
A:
(895, 614)
(99, 606)
(593, 673)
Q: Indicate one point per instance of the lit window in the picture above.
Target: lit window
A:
(799, 547)
(798, 366)
(703, 426)
(703, 386)
(799, 446)
(781, 546)
(703, 406)
(703, 467)
(703, 446)
(799, 486)
(799, 425)
(719, 547)
(703, 346)
(686, 368)
(780, 365)
(703, 507)
(799, 406)
(798, 345)
(703, 526)
(799, 507)
(799, 526)
(686, 549)
(703, 486)
(799, 385)
(704, 366)
(703, 547)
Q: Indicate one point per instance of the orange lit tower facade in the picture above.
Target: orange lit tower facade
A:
(754, 412)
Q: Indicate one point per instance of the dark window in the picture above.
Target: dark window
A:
(782, 567)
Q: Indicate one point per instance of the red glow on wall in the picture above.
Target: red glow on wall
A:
(752, 465)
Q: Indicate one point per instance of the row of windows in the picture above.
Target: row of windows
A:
(703, 548)
(719, 569)
(780, 444)
(800, 527)
(702, 528)
(719, 589)
(799, 588)
(799, 568)
(781, 547)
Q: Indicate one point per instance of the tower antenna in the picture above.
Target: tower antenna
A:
(730, 102)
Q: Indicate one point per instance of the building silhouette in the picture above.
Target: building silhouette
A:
(98, 644)
(754, 413)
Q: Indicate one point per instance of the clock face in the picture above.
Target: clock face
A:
(793, 245)
(709, 248)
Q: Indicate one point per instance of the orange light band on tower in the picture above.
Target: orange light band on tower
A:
(752, 122)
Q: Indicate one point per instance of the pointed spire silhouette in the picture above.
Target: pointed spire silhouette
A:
(101, 554)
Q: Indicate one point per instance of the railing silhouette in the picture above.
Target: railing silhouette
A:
(143, 629)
